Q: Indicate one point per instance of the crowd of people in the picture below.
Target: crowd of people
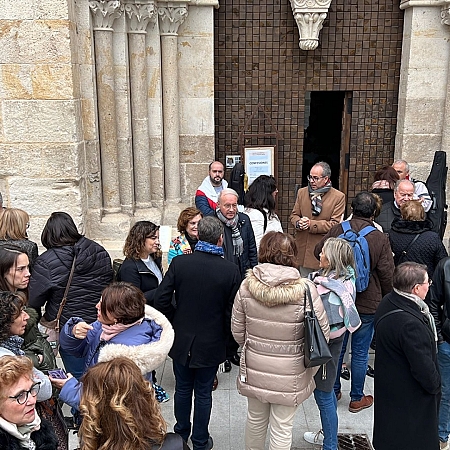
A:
(234, 292)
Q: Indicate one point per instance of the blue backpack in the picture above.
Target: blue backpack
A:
(360, 251)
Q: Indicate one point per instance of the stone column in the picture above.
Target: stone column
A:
(445, 19)
(103, 14)
(140, 14)
(171, 16)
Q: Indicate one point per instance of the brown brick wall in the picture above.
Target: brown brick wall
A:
(258, 59)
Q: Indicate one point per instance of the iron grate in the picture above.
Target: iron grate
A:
(354, 442)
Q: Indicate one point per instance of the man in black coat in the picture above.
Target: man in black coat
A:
(439, 303)
(407, 380)
(205, 285)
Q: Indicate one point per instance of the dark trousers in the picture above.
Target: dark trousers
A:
(200, 382)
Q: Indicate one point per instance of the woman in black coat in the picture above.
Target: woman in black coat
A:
(142, 265)
(407, 381)
(92, 273)
(411, 238)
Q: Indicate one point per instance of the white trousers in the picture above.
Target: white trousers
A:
(261, 415)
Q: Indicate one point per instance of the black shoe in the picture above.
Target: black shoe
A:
(370, 371)
(345, 373)
(227, 366)
(235, 359)
(209, 445)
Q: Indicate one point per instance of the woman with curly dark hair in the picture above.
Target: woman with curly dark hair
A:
(13, 323)
(120, 412)
(142, 265)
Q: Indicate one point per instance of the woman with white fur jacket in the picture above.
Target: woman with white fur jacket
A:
(125, 326)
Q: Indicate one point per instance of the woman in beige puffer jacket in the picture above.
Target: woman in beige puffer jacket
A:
(267, 322)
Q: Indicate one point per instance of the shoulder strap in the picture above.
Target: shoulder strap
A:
(394, 311)
(66, 291)
(404, 252)
(345, 225)
(366, 230)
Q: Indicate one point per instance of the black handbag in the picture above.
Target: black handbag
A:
(316, 347)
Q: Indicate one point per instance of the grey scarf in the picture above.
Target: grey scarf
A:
(238, 243)
(316, 198)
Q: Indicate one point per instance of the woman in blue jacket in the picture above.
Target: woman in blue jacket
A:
(125, 327)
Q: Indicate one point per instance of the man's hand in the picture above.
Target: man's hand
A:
(80, 330)
(303, 223)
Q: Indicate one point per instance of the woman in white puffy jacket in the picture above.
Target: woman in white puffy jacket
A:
(267, 321)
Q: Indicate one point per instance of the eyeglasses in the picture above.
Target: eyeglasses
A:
(315, 179)
(28, 225)
(429, 282)
(234, 206)
(22, 397)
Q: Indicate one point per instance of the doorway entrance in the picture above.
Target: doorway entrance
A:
(327, 132)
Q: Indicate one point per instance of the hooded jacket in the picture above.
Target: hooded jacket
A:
(147, 344)
(93, 272)
(267, 321)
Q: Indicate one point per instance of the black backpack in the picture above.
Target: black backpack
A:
(237, 181)
(436, 183)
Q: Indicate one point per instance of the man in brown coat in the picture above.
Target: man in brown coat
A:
(317, 209)
(380, 284)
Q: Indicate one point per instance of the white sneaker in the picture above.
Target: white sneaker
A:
(314, 438)
(443, 445)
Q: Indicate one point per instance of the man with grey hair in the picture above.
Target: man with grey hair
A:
(403, 192)
(420, 190)
(317, 209)
(205, 285)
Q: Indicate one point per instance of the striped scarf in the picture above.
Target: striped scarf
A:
(316, 198)
(238, 243)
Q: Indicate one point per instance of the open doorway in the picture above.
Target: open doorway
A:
(325, 125)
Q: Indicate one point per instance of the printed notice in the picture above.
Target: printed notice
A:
(258, 161)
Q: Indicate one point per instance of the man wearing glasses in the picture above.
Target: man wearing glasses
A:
(317, 209)
(403, 192)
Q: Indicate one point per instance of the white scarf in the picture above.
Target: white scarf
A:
(23, 432)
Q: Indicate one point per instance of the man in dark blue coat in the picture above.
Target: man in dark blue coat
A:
(205, 285)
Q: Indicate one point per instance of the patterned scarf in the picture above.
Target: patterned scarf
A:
(238, 243)
(13, 344)
(423, 309)
(206, 247)
(316, 198)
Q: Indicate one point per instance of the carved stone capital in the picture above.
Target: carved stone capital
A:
(445, 15)
(310, 15)
(171, 16)
(104, 12)
(140, 13)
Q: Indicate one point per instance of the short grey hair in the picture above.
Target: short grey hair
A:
(407, 275)
(402, 161)
(210, 229)
(227, 191)
(326, 169)
(399, 182)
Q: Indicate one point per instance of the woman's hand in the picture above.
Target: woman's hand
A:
(80, 330)
(58, 383)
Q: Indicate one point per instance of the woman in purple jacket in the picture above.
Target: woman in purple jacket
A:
(125, 326)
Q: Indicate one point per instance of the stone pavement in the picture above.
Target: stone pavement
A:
(229, 412)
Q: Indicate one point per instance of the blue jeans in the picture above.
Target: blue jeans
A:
(327, 403)
(199, 381)
(444, 408)
(361, 340)
(72, 364)
(337, 383)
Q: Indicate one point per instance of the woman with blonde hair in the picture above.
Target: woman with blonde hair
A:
(412, 238)
(335, 282)
(14, 224)
(120, 411)
(268, 322)
(20, 425)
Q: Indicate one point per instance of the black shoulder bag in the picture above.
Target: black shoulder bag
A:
(316, 347)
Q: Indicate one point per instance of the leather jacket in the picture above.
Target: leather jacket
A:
(438, 299)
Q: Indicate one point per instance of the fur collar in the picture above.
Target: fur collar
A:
(149, 356)
(274, 285)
